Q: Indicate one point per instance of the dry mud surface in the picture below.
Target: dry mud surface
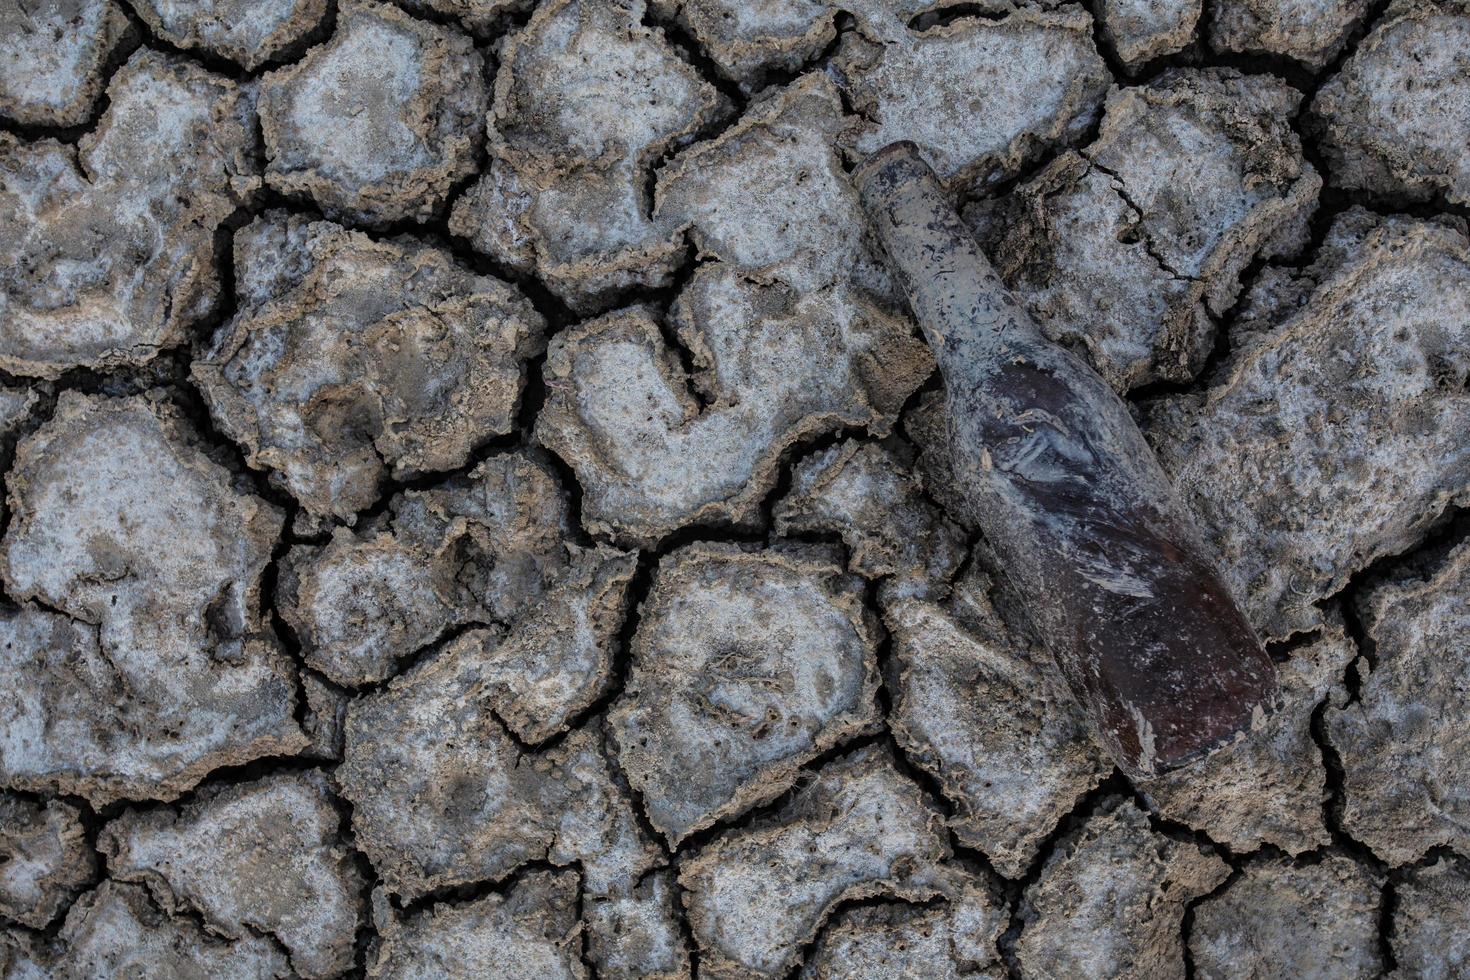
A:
(475, 504)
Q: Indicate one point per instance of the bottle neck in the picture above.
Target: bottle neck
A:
(961, 304)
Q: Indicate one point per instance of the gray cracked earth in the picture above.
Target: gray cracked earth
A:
(475, 504)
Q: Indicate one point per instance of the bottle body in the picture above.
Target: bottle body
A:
(1067, 491)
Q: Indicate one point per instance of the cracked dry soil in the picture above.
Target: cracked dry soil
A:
(476, 505)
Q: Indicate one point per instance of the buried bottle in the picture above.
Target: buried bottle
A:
(1112, 572)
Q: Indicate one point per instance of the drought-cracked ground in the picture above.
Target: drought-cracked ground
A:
(476, 505)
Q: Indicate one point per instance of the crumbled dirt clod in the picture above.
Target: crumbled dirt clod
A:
(476, 549)
(1395, 120)
(117, 931)
(1431, 921)
(352, 360)
(746, 665)
(250, 33)
(256, 858)
(1309, 31)
(1141, 30)
(980, 96)
(1111, 899)
(899, 941)
(44, 860)
(862, 492)
(859, 829)
(154, 661)
(1304, 465)
(1405, 740)
(107, 249)
(52, 58)
(974, 705)
(381, 122)
(1269, 788)
(634, 932)
(588, 99)
(1278, 919)
(529, 933)
(1125, 250)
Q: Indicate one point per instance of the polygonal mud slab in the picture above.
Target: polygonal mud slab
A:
(981, 96)
(557, 658)
(746, 665)
(117, 931)
(381, 122)
(479, 548)
(1124, 250)
(529, 933)
(1277, 919)
(251, 33)
(587, 101)
(1304, 465)
(752, 40)
(1431, 921)
(44, 859)
(1395, 120)
(770, 194)
(858, 830)
(1141, 30)
(1267, 788)
(107, 249)
(635, 933)
(910, 942)
(1405, 741)
(862, 492)
(52, 58)
(973, 706)
(442, 795)
(151, 663)
(1309, 31)
(352, 360)
(261, 858)
(651, 456)
(1111, 900)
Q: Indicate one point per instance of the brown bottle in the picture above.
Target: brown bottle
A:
(1059, 478)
